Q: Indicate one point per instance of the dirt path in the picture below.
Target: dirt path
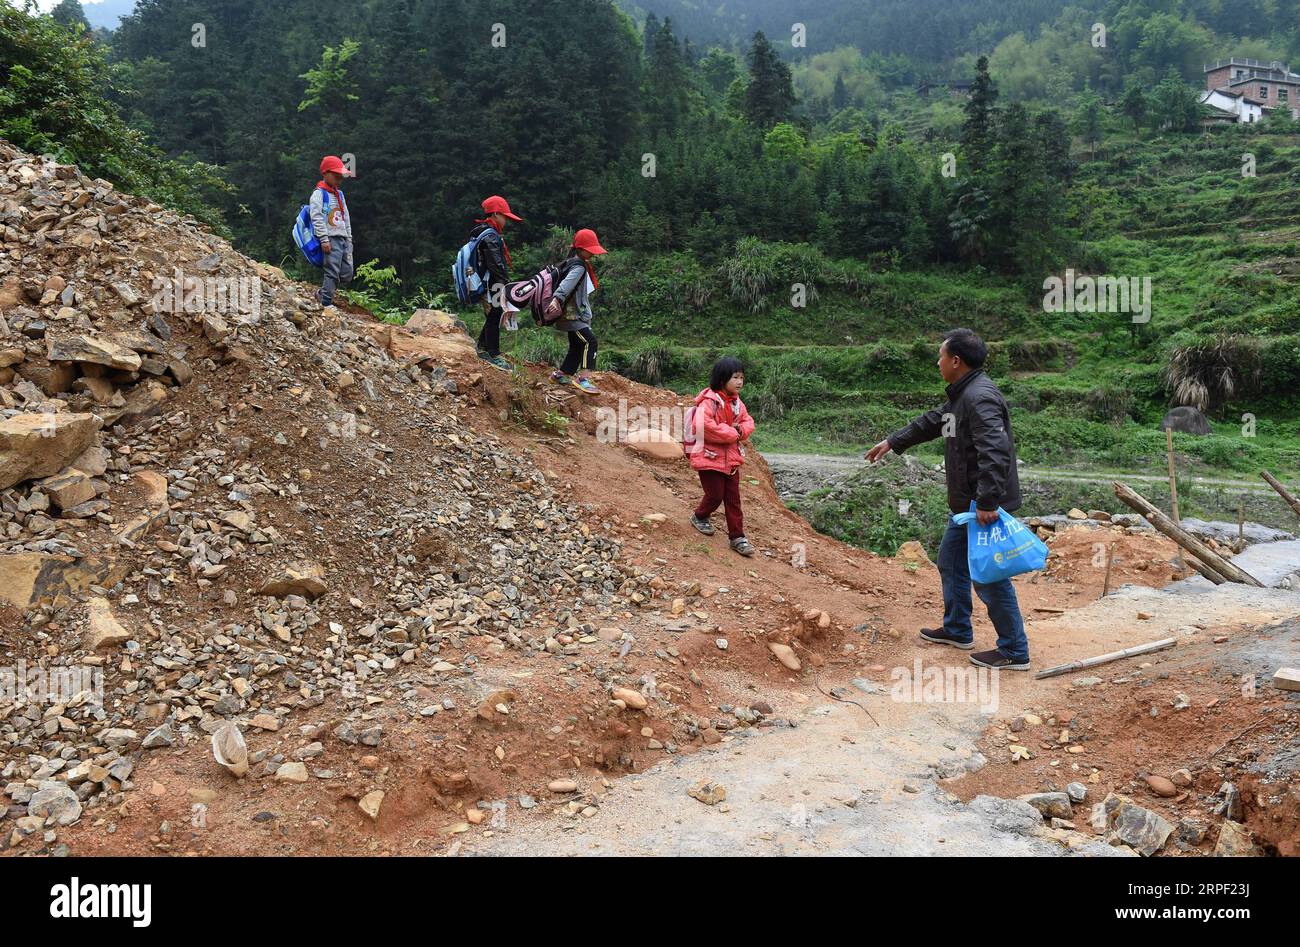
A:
(803, 472)
(837, 784)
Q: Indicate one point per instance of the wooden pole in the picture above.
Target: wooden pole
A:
(1205, 570)
(1173, 480)
(1282, 491)
(1160, 645)
(1183, 538)
(1173, 489)
(1110, 559)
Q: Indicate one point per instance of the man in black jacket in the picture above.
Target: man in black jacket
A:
(493, 260)
(980, 463)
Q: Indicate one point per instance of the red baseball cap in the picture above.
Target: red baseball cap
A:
(496, 204)
(335, 164)
(586, 240)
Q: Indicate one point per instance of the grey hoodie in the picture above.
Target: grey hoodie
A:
(574, 286)
(337, 224)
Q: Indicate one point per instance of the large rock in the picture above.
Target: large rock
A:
(143, 401)
(1049, 803)
(1235, 842)
(68, 489)
(59, 802)
(430, 320)
(304, 578)
(785, 654)
(53, 378)
(151, 488)
(103, 630)
(654, 443)
(912, 551)
(1185, 420)
(1008, 815)
(28, 579)
(408, 348)
(1141, 829)
(88, 348)
(93, 461)
(42, 444)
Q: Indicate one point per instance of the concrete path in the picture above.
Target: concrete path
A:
(833, 785)
(836, 784)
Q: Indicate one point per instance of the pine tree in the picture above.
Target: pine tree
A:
(977, 129)
(840, 95)
(769, 98)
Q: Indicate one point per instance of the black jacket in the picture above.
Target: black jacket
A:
(979, 456)
(491, 254)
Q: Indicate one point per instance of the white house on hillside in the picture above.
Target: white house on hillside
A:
(1272, 85)
(1232, 107)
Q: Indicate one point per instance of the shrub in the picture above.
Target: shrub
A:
(1206, 375)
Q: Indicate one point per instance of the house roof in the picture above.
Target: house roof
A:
(1293, 80)
(1273, 71)
(1205, 98)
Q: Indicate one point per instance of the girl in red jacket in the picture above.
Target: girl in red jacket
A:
(722, 429)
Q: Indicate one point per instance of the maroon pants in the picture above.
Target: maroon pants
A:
(720, 488)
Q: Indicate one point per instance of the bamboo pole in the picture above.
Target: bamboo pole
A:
(1282, 491)
(1085, 663)
(1110, 559)
(1185, 539)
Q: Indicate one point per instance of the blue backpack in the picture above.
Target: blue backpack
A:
(304, 234)
(471, 285)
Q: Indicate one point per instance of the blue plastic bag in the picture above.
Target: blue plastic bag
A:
(1002, 549)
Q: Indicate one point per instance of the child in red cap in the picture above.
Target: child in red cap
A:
(577, 281)
(493, 260)
(332, 225)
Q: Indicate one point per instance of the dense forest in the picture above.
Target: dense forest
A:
(656, 140)
(727, 164)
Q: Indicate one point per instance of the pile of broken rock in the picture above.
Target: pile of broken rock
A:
(242, 516)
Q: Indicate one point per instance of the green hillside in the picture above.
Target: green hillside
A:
(1086, 389)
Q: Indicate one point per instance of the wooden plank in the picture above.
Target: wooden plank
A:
(1107, 658)
(1186, 540)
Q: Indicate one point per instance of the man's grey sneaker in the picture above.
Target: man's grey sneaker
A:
(742, 546)
(998, 661)
(939, 636)
(704, 526)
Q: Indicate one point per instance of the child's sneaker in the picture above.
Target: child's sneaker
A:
(742, 546)
(560, 378)
(703, 525)
(585, 386)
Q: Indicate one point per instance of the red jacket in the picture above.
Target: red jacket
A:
(719, 448)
